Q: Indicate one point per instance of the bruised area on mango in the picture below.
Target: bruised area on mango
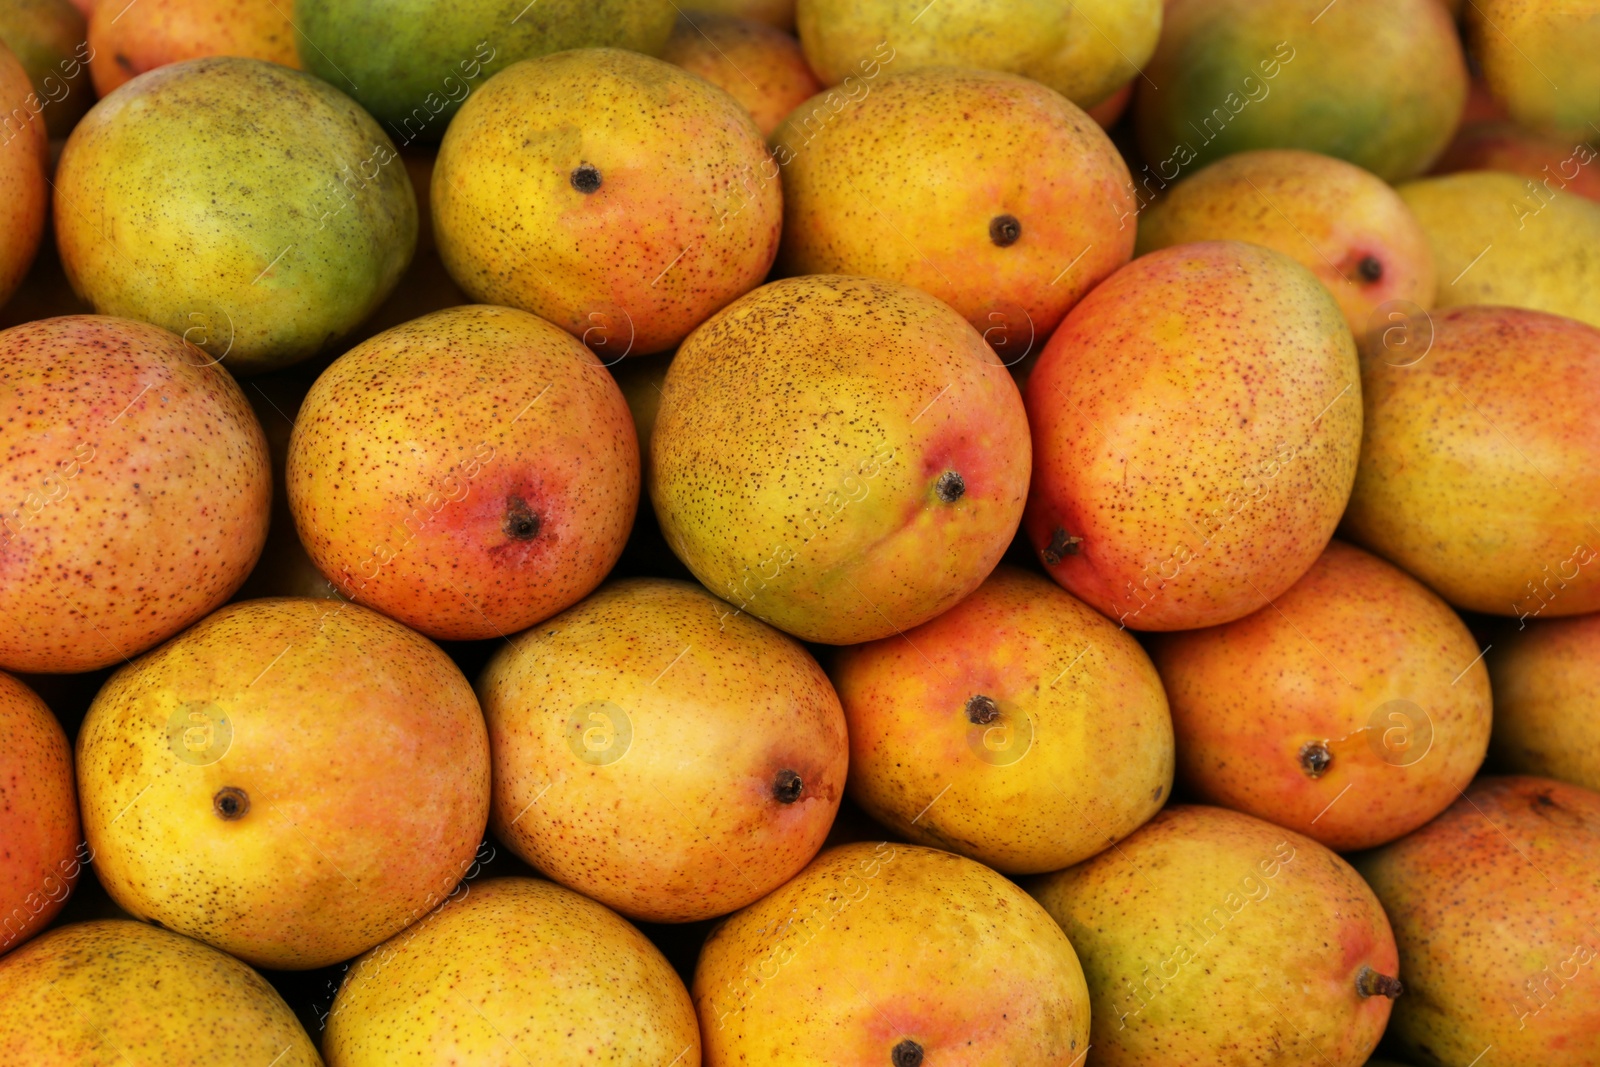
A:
(40, 860)
(1546, 676)
(758, 65)
(128, 40)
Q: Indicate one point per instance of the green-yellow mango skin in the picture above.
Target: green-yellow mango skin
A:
(1541, 60)
(1508, 240)
(1213, 939)
(250, 208)
(1546, 678)
(802, 439)
(1493, 905)
(1085, 51)
(877, 944)
(38, 814)
(412, 62)
(112, 992)
(513, 968)
(50, 37)
(1379, 83)
(1477, 470)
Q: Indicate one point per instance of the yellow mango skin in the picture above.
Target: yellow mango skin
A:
(50, 38)
(1493, 905)
(1247, 697)
(803, 435)
(1079, 757)
(1546, 688)
(23, 153)
(127, 41)
(110, 993)
(1506, 240)
(1477, 472)
(1332, 217)
(909, 179)
(1184, 930)
(361, 753)
(684, 219)
(514, 971)
(873, 945)
(40, 861)
(1539, 60)
(1084, 51)
(759, 66)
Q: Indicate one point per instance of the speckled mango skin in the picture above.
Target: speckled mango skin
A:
(1084, 51)
(254, 209)
(1379, 83)
(1196, 423)
(1494, 906)
(137, 490)
(110, 993)
(1079, 757)
(359, 746)
(878, 943)
(516, 971)
(153, 33)
(684, 220)
(1212, 939)
(757, 64)
(49, 37)
(1477, 470)
(802, 437)
(670, 813)
(1324, 213)
(1496, 241)
(39, 857)
(1352, 635)
(1539, 60)
(906, 181)
(415, 451)
(1550, 160)
(23, 151)
(1546, 688)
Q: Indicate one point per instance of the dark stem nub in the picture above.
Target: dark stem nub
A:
(950, 487)
(230, 803)
(1004, 230)
(521, 524)
(787, 786)
(1061, 544)
(1370, 268)
(906, 1054)
(1371, 983)
(1315, 758)
(982, 710)
(586, 178)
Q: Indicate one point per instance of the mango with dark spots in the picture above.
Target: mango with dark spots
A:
(1477, 472)
(469, 473)
(891, 955)
(137, 490)
(1379, 83)
(292, 780)
(758, 65)
(128, 39)
(1214, 939)
(1539, 60)
(987, 190)
(41, 860)
(1546, 675)
(620, 197)
(841, 457)
(1196, 424)
(49, 38)
(661, 754)
(23, 153)
(113, 992)
(1493, 905)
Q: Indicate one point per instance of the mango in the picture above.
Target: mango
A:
(758, 65)
(1503, 239)
(262, 250)
(1345, 225)
(1546, 677)
(1196, 421)
(1377, 83)
(892, 955)
(661, 755)
(38, 816)
(620, 197)
(129, 40)
(1020, 728)
(1477, 472)
(1010, 213)
(112, 992)
(23, 152)
(132, 464)
(843, 458)
(49, 37)
(1284, 715)
(508, 972)
(779, 14)
(291, 780)
(1539, 60)
(1084, 51)
(1213, 939)
(1550, 162)
(1493, 905)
